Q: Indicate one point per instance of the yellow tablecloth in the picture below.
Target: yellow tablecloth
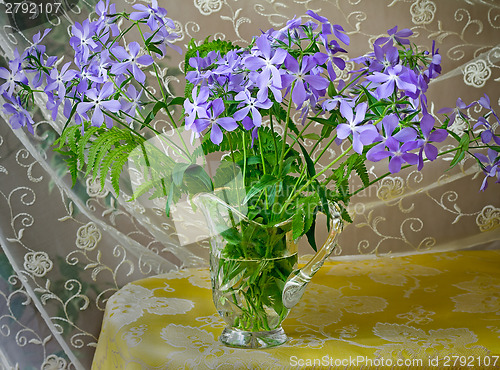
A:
(420, 310)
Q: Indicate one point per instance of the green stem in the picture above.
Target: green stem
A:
(233, 222)
(310, 181)
(163, 93)
(296, 139)
(283, 146)
(324, 149)
(263, 168)
(274, 137)
(244, 157)
(160, 84)
(350, 83)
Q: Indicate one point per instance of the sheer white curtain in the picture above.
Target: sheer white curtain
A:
(66, 249)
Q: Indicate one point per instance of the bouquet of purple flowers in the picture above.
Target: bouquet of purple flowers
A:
(255, 104)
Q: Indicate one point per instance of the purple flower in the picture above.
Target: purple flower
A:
(250, 104)
(132, 103)
(393, 76)
(82, 41)
(161, 39)
(155, 15)
(129, 62)
(331, 59)
(100, 67)
(389, 124)
(39, 70)
(456, 110)
(484, 101)
(399, 155)
(98, 102)
(214, 121)
(487, 134)
(491, 166)
(385, 57)
(361, 135)
(435, 66)
(198, 107)
(248, 125)
(309, 105)
(304, 80)
(36, 47)
(399, 36)
(282, 34)
(68, 110)
(12, 76)
(263, 88)
(57, 80)
(331, 104)
(327, 28)
(20, 116)
(53, 103)
(267, 60)
(105, 22)
(200, 65)
(87, 76)
(437, 136)
(228, 64)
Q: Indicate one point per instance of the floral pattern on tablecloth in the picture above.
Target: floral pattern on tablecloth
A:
(351, 308)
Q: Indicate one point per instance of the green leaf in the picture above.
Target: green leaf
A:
(118, 154)
(250, 161)
(331, 90)
(169, 199)
(265, 181)
(455, 136)
(324, 121)
(148, 185)
(309, 204)
(158, 106)
(178, 172)
(344, 214)
(73, 110)
(125, 82)
(154, 49)
(312, 136)
(179, 100)
(148, 119)
(324, 203)
(311, 171)
(225, 173)
(310, 234)
(373, 103)
(326, 131)
(463, 147)
(298, 223)
(116, 170)
(196, 180)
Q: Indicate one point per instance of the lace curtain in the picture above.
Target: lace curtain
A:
(66, 249)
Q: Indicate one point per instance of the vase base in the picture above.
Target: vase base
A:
(247, 339)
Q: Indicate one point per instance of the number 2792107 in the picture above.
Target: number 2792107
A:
(32, 8)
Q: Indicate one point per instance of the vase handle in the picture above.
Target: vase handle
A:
(296, 283)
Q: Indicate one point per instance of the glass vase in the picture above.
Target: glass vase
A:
(254, 274)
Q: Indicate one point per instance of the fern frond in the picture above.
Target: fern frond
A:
(84, 141)
(115, 158)
(116, 169)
